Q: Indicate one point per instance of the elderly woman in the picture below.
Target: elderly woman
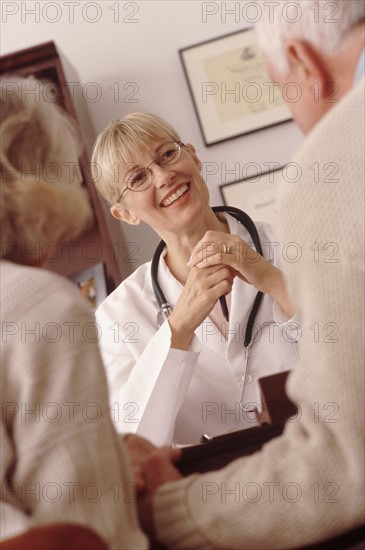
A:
(173, 380)
(59, 465)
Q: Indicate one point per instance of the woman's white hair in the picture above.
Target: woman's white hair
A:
(323, 24)
(39, 149)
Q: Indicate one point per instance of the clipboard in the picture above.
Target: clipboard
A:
(222, 449)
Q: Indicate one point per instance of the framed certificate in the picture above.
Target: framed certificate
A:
(230, 87)
(255, 195)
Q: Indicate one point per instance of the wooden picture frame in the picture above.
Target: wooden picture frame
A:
(231, 90)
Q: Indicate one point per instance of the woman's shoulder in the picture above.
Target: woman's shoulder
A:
(30, 287)
(27, 279)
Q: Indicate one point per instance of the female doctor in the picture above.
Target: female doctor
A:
(173, 380)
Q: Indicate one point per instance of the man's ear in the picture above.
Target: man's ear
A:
(306, 65)
(121, 213)
(195, 157)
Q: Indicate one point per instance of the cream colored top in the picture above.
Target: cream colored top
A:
(61, 459)
(308, 484)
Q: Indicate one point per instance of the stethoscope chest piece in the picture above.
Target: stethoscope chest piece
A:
(163, 313)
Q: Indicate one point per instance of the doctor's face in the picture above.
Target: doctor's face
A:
(176, 195)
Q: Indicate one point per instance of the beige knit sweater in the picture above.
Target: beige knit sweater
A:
(61, 459)
(308, 484)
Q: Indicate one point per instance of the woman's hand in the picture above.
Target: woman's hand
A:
(217, 249)
(202, 290)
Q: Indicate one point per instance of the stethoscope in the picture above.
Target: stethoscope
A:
(165, 308)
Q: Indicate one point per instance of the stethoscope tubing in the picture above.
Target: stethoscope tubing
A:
(248, 223)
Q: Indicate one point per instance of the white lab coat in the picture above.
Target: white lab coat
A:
(173, 396)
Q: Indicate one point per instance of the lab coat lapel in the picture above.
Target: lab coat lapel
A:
(242, 299)
(243, 296)
(147, 289)
(170, 287)
(210, 336)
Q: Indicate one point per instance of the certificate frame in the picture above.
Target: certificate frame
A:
(231, 90)
(255, 195)
(92, 284)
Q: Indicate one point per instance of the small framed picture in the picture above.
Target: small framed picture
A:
(230, 87)
(255, 195)
(92, 284)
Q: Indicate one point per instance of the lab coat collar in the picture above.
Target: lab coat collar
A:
(147, 289)
(170, 286)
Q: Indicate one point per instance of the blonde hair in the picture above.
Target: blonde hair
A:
(38, 141)
(324, 25)
(119, 142)
(36, 214)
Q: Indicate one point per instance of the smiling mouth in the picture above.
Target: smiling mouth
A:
(175, 196)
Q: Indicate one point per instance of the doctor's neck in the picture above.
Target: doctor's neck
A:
(180, 245)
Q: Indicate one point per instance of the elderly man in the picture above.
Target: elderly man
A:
(308, 484)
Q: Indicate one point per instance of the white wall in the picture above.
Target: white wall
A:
(132, 47)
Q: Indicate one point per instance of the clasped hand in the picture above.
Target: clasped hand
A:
(214, 263)
(221, 249)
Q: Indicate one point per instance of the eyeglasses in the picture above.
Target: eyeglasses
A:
(138, 179)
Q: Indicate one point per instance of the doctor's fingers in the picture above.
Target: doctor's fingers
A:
(201, 291)
(209, 277)
(212, 284)
(233, 251)
(218, 274)
(212, 243)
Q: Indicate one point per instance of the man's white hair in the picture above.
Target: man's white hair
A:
(324, 24)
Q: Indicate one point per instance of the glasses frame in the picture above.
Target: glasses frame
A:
(179, 143)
